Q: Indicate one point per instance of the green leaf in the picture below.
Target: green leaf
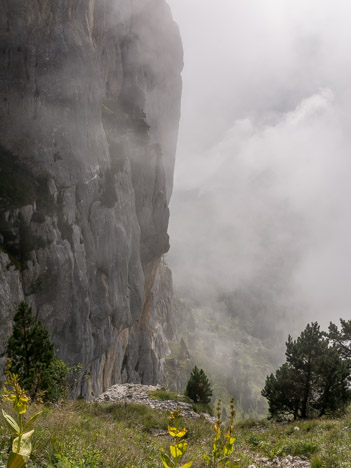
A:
(25, 444)
(183, 447)
(228, 449)
(186, 465)
(167, 463)
(17, 461)
(175, 452)
(31, 421)
(11, 423)
(20, 404)
(181, 433)
(175, 432)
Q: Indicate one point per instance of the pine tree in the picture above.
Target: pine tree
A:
(283, 391)
(341, 338)
(312, 382)
(198, 387)
(30, 351)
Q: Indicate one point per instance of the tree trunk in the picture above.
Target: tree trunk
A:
(307, 390)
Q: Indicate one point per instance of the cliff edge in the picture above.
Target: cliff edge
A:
(89, 111)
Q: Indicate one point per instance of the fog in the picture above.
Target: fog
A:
(263, 170)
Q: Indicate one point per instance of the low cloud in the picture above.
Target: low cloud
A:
(261, 194)
(269, 203)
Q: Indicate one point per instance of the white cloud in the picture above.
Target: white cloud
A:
(264, 163)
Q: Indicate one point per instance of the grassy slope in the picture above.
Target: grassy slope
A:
(112, 435)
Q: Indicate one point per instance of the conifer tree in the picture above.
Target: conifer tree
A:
(198, 387)
(341, 338)
(30, 351)
(312, 382)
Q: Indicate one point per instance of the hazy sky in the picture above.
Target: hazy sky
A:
(263, 170)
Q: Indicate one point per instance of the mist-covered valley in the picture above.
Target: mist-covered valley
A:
(260, 224)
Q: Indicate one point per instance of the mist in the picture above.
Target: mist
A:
(261, 192)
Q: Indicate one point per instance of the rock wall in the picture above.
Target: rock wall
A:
(89, 110)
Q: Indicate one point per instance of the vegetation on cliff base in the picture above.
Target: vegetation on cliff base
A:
(30, 351)
(32, 357)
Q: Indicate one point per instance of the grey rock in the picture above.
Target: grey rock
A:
(138, 394)
(10, 287)
(284, 462)
(89, 112)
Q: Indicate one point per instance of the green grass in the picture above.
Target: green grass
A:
(82, 434)
(165, 395)
(326, 442)
(203, 408)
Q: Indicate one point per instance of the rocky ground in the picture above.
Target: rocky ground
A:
(282, 462)
(138, 394)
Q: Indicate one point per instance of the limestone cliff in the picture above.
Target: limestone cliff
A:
(89, 110)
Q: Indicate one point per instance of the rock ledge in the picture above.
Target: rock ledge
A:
(138, 394)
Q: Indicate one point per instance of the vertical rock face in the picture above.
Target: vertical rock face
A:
(89, 110)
